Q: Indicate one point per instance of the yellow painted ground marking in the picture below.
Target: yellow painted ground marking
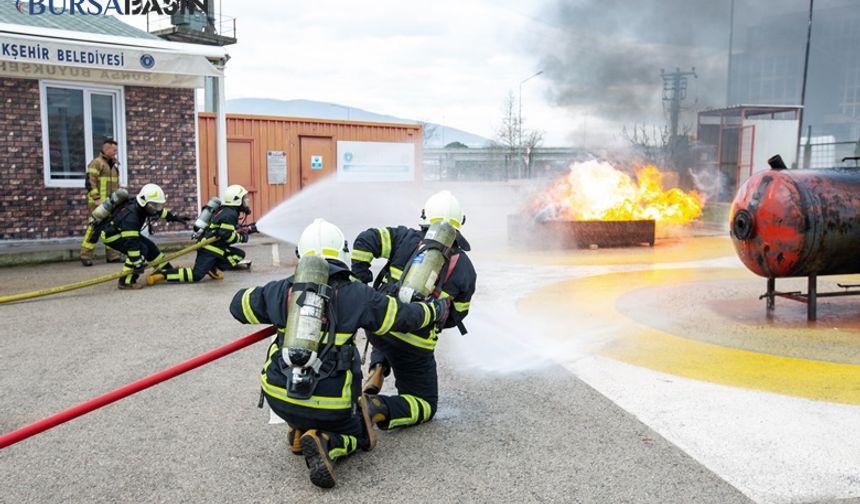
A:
(593, 300)
(665, 251)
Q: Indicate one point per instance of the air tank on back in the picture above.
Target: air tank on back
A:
(787, 223)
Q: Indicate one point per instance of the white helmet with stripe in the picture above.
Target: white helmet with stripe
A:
(443, 206)
(325, 239)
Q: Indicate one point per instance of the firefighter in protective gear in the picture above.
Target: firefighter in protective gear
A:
(410, 354)
(330, 421)
(122, 232)
(220, 255)
(102, 179)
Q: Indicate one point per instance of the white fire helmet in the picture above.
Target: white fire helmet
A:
(234, 195)
(325, 239)
(442, 206)
(151, 194)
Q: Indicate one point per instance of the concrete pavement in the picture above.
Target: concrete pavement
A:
(526, 432)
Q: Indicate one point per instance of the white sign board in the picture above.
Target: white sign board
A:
(375, 162)
(316, 162)
(38, 58)
(276, 164)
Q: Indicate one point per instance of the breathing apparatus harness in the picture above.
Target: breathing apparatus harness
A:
(102, 213)
(304, 359)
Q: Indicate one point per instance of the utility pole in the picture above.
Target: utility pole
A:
(674, 91)
(731, 49)
(803, 85)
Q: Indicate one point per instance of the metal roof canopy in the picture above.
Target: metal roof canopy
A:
(746, 111)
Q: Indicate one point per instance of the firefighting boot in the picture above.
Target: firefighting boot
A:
(315, 448)
(154, 278)
(294, 438)
(133, 285)
(366, 424)
(375, 376)
(216, 274)
(377, 410)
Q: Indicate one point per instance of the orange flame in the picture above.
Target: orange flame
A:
(597, 191)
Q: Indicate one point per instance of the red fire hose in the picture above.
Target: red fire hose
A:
(115, 395)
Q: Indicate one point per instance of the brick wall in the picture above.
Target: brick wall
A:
(160, 143)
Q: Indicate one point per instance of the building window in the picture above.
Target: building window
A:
(851, 93)
(76, 119)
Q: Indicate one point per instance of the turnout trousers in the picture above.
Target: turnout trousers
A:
(415, 378)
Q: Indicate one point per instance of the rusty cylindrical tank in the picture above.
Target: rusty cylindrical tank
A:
(798, 222)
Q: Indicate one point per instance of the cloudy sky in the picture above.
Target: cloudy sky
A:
(453, 61)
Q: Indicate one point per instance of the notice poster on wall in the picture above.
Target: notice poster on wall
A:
(276, 164)
(375, 162)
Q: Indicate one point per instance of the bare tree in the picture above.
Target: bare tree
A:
(518, 142)
(509, 130)
(429, 130)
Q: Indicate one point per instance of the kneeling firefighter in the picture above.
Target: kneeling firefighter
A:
(122, 232)
(312, 374)
(220, 217)
(425, 263)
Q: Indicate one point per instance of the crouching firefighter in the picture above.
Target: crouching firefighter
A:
(312, 374)
(220, 217)
(429, 262)
(122, 232)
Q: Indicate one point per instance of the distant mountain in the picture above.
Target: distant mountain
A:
(441, 135)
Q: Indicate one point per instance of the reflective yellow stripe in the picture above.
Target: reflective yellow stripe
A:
(425, 408)
(164, 213)
(396, 273)
(385, 236)
(412, 419)
(336, 453)
(94, 171)
(461, 307)
(453, 222)
(361, 255)
(444, 294)
(390, 315)
(427, 314)
(211, 248)
(246, 307)
(273, 350)
(316, 402)
(224, 225)
(339, 338)
(417, 341)
(134, 253)
(327, 252)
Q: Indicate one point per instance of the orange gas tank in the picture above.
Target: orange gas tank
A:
(788, 223)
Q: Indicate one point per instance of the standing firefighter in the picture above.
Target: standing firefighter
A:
(312, 374)
(101, 180)
(221, 221)
(122, 232)
(436, 256)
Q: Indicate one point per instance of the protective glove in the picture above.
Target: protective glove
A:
(441, 308)
(363, 275)
(252, 229)
(177, 218)
(243, 236)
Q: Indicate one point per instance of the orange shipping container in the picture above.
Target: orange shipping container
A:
(309, 147)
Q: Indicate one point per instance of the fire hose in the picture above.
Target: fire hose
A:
(125, 391)
(104, 278)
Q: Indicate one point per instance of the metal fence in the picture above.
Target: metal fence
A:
(827, 154)
(498, 163)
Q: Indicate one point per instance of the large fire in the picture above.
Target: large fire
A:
(595, 190)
